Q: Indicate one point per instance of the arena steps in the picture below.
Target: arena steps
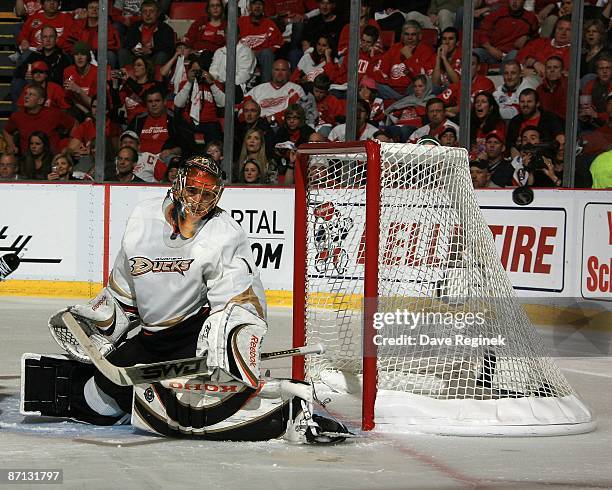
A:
(7, 67)
(8, 28)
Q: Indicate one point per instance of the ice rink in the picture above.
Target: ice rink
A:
(95, 457)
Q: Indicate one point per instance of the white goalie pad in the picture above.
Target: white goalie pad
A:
(201, 407)
(231, 339)
(103, 318)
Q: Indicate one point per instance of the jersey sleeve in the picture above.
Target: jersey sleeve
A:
(24, 33)
(234, 277)
(120, 283)
(276, 38)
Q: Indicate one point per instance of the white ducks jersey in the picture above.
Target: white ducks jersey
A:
(169, 279)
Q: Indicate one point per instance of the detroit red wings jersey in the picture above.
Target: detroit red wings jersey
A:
(87, 82)
(169, 280)
(397, 71)
(273, 100)
(31, 30)
(206, 36)
(145, 166)
(452, 95)
(260, 36)
(154, 134)
(366, 66)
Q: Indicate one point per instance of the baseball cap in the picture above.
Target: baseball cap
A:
(129, 134)
(428, 141)
(81, 47)
(175, 161)
(368, 82)
(40, 66)
(285, 145)
(253, 1)
(496, 134)
(449, 129)
(481, 164)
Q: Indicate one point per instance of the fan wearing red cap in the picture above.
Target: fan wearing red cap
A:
(369, 93)
(56, 96)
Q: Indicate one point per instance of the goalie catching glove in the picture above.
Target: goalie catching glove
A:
(105, 320)
(231, 340)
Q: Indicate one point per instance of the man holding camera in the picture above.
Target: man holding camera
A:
(199, 96)
(548, 124)
(537, 164)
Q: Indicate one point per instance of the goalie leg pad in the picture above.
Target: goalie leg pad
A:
(203, 408)
(232, 339)
(53, 386)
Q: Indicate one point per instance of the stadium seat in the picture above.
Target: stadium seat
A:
(187, 10)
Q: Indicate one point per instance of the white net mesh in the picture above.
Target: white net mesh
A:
(437, 259)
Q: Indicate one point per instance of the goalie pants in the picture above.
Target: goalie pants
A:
(177, 342)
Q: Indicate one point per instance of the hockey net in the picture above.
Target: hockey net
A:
(395, 268)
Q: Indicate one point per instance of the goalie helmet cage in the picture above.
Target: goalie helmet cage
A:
(384, 228)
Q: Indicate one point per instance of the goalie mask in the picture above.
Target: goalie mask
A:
(197, 187)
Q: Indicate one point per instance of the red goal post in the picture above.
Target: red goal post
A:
(372, 150)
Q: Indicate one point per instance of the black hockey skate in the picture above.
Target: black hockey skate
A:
(323, 430)
(8, 264)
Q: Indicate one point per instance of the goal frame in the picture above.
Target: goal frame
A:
(372, 230)
(516, 407)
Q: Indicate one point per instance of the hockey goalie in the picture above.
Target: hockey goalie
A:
(184, 284)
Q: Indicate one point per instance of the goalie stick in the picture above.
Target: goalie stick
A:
(148, 373)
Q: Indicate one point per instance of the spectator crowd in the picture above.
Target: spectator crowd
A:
(166, 96)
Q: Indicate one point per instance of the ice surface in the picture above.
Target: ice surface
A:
(117, 457)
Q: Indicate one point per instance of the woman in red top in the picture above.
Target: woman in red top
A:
(207, 34)
(484, 120)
